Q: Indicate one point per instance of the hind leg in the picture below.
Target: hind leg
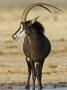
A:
(29, 74)
(38, 74)
(39, 66)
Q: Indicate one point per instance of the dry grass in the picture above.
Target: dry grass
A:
(66, 48)
(8, 41)
(14, 53)
(58, 52)
(12, 47)
(1, 53)
(52, 66)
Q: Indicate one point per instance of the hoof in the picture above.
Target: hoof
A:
(40, 88)
(27, 87)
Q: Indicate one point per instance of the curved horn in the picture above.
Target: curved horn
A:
(24, 15)
(26, 11)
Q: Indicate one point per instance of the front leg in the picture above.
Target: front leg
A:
(29, 73)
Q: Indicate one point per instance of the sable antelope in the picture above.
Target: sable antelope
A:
(36, 45)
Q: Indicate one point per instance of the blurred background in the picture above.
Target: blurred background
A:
(13, 9)
(15, 4)
(13, 66)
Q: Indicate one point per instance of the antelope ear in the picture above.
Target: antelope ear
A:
(35, 19)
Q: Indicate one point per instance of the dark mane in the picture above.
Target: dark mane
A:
(38, 27)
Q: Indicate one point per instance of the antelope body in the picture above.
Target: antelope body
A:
(36, 45)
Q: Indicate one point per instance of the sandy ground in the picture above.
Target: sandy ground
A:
(13, 68)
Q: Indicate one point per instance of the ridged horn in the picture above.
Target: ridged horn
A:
(26, 11)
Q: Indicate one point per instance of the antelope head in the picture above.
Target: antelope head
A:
(24, 25)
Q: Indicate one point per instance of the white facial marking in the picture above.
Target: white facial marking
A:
(21, 27)
(20, 30)
(19, 33)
